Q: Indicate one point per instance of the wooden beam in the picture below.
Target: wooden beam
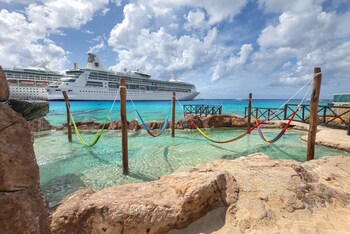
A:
(68, 116)
(173, 116)
(315, 95)
(249, 110)
(124, 126)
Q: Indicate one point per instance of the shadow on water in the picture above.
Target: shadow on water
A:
(223, 148)
(190, 138)
(165, 154)
(139, 176)
(283, 152)
(94, 155)
(58, 188)
(142, 177)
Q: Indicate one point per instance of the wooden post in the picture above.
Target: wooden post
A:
(249, 110)
(285, 111)
(124, 126)
(313, 120)
(68, 116)
(173, 116)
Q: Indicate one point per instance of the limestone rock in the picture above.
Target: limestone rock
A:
(23, 207)
(29, 110)
(38, 125)
(134, 125)
(113, 126)
(4, 87)
(155, 207)
(237, 121)
(281, 196)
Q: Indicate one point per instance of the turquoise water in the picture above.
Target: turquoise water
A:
(66, 167)
(149, 110)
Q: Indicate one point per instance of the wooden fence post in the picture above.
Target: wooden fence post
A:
(249, 110)
(124, 126)
(69, 127)
(173, 116)
(313, 120)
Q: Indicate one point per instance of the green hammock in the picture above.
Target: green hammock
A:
(80, 138)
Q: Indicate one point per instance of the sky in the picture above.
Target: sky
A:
(226, 48)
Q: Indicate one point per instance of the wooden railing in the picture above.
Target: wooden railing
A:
(331, 115)
(203, 109)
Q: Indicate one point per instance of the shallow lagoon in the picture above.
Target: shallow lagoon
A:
(66, 167)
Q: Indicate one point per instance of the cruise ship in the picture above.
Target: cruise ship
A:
(97, 83)
(30, 83)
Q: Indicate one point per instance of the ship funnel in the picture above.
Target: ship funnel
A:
(76, 66)
(94, 63)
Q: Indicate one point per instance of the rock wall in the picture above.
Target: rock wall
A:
(214, 121)
(155, 207)
(4, 87)
(23, 207)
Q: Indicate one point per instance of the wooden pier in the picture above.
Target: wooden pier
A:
(203, 109)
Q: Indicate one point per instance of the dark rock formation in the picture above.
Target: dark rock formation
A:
(4, 87)
(29, 110)
(23, 207)
(38, 125)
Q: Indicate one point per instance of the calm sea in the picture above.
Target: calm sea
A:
(149, 110)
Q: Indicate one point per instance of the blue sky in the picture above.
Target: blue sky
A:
(226, 48)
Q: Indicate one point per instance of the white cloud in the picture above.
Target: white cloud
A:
(195, 19)
(24, 40)
(151, 35)
(226, 67)
(218, 11)
(305, 37)
(96, 48)
(18, 1)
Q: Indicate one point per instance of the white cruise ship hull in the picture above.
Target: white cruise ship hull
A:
(139, 95)
(95, 83)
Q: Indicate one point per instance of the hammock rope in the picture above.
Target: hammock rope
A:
(279, 136)
(208, 137)
(99, 134)
(161, 131)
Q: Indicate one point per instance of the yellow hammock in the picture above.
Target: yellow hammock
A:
(221, 142)
(80, 138)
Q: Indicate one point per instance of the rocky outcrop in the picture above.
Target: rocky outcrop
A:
(280, 196)
(214, 121)
(155, 207)
(38, 125)
(4, 87)
(23, 207)
(29, 110)
(262, 195)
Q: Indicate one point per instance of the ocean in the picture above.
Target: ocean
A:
(149, 110)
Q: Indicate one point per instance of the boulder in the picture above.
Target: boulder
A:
(237, 121)
(23, 207)
(4, 87)
(38, 125)
(134, 125)
(112, 125)
(217, 121)
(29, 110)
(154, 207)
(285, 196)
